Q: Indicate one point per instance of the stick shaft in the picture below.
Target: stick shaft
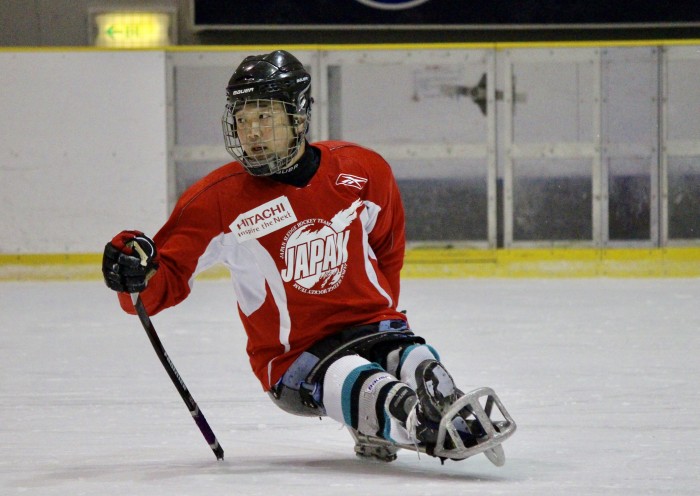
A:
(196, 413)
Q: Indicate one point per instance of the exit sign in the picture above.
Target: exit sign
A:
(129, 29)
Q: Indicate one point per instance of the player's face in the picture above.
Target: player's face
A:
(264, 129)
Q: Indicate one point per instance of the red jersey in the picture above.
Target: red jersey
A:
(305, 262)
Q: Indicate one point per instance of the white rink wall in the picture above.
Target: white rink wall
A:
(83, 148)
(95, 141)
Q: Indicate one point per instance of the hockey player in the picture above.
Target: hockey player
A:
(313, 235)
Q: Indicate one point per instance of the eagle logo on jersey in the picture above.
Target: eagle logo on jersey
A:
(315, 252)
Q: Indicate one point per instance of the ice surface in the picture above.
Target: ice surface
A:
(601, 376)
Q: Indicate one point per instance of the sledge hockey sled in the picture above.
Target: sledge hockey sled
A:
(490, 427)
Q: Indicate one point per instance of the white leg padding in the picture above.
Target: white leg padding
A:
(342, 378)
(412, 357)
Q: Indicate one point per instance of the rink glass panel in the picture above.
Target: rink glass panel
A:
(681, 94)
(684, 198)
(418, 115)
(552, 200)
(570, 146)
(630, 144)
(550, 131)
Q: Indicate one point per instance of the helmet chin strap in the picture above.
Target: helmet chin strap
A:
(288, 169)
(290, 166)
(294, 163)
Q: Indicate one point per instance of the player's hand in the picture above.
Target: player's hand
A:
(129, 261)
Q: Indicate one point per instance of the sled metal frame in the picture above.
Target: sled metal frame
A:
(497, 431)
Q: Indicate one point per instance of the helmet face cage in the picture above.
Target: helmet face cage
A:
(265, 135)
(267, 112)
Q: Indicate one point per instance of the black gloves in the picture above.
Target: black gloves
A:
(129, 261)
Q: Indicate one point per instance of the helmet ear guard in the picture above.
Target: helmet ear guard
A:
(266, 79)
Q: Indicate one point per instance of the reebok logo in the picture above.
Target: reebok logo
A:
(350, 180)
(263, 220)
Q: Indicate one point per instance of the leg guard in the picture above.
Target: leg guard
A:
(299, 391)
(404, 361)
(366, 398)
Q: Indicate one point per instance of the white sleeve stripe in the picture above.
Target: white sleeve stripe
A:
(210, 257)
(253, 267)
(369, 218)
(269, 270)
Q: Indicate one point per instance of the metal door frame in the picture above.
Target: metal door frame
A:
(513, 151)
(672, 148)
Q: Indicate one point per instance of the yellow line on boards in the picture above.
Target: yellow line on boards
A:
(496, 45)
(427, 263)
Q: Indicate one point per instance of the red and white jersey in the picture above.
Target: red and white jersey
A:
(305, 262)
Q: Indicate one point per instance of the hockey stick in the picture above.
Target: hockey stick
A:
(196, 413)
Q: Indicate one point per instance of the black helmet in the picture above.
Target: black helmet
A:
(274, 77)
